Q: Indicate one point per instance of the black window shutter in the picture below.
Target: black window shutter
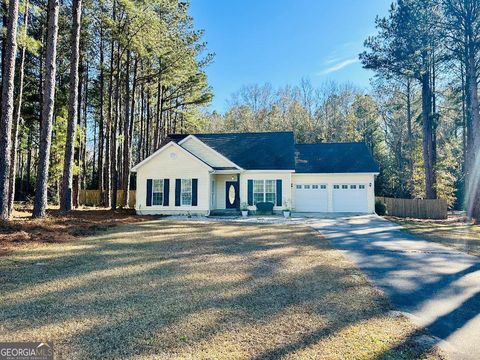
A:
(250, 192)
(194, 192)
(279, 192)
(149, 192)
(178, 191)
(166, 191)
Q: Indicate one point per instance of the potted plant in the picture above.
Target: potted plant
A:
(286, 209)
(244, 209)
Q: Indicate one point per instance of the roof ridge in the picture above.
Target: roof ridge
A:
(333, 143)
(246, 132)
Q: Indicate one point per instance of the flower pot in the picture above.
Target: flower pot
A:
(244, 213)
(286, 214)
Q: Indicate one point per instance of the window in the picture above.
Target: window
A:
(361, 186)
(270, 191)
(264, 191)
(353, 186)
(306, 186)
(186, 192)
(299, 186)
(258, 191)
(157, 192)
(314, 186)
(336, 186)
(323, 187)
(344, 186)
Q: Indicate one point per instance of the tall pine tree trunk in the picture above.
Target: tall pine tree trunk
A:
(4, 39)
(76, 154)
(410, 138)
(41, 187)
(6, 118)
(428, 142)
(67, 181)
(17, 116)
(141, 147)
(29, 160)
(473, 136)
(101, 118)
(127, 152)
(114, 149)
(108, 135)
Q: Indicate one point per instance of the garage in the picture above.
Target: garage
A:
(344, 173)
(350, 198)
(311, 197)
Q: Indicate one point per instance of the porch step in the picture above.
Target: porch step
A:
(225, 212)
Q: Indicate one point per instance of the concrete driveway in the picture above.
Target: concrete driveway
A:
(438, 287)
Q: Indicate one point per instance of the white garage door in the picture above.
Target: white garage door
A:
(350, 198)
(311, 197)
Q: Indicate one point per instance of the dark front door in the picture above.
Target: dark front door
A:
(232, 197)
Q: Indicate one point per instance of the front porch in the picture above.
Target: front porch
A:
(225, 192)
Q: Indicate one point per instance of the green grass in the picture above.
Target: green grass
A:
(200, 290)
(461, 236)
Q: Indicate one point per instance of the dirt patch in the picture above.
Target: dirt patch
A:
(24, 231)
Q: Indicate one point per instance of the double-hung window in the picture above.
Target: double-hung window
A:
(157, 192)
(270, 191)
(186, 192)
(264, 191)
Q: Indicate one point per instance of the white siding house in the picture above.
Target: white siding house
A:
(198, 174)
(172, 163)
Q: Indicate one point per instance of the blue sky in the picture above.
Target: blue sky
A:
(281, 41)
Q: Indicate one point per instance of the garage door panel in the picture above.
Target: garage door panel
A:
(350, 198)
(311, 198)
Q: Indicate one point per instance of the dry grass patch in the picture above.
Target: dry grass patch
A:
(200, 290)
(23, 231)
(455, 232)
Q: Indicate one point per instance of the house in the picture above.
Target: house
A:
(198, 173)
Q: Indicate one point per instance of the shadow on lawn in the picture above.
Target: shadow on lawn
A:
(165, 287)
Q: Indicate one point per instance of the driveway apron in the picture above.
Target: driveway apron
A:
(437, 287)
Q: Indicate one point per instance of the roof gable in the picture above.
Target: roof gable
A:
(162, 149)
(334, 158)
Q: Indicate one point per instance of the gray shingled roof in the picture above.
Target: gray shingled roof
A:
(252, 151)
(277, 151)
(334, 158)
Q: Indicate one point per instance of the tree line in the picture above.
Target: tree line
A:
(421, 116)
(90, 87)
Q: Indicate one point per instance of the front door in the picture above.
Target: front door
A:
(232, 197)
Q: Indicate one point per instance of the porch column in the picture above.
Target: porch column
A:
(238, 187)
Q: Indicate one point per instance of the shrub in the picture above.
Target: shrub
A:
(380, 208)
(264, 208)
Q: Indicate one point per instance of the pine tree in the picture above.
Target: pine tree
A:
(6, 118)
(66, 195)
(41, 187)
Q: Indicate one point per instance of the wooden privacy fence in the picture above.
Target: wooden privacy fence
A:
(416, 208)
(93, 198)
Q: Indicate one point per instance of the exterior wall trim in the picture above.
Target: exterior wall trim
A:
(268, 171)
(341, 173)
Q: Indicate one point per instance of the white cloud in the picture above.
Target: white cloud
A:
(339, 65)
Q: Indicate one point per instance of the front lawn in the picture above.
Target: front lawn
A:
(453, 232)
(200, 290)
